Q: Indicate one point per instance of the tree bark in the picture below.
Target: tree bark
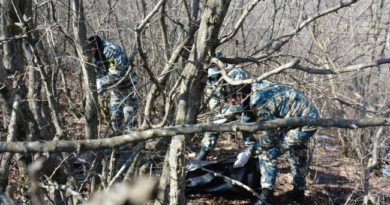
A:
(6, 158)
(139, 136)
(89, 75)
(192, 88)
(13, 95)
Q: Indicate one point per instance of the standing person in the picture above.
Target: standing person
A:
(111, 65)
(215, 101)
(271, 101)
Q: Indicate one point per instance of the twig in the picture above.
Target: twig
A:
(64, 188)
(234, 182)
(306, 22)
(262, 77)
(134, 151)
(351, 195)
(240, 22)
(55, 170)
(125, 77)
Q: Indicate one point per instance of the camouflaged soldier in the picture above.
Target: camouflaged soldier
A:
(271, 101)
(215, 100)
(111, 65)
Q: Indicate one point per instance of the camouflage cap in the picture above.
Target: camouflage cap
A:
(213, 71)
(214, 67)
(238, 74)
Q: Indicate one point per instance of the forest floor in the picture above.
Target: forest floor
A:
(334, 179)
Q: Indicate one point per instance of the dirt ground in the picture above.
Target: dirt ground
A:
(333, 179)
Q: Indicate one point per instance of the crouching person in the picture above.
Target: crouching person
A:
(270, 101)
(215, 100)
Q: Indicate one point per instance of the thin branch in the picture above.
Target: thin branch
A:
(274, 40)
(168, 105)
(164, 76)
(143, 23)
(352, 68)
(163, 27)
(239, 23)
(125, 77)
(66, 188)
(4, 40)
(138, 32)
(12, 132)
(260, 78)
(306, 22)
(34, 47)
(134, 151)
(234, 182)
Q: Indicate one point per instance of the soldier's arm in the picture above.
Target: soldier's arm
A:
(117, 70)
(255, 145)
(118, 64)
(250, 142)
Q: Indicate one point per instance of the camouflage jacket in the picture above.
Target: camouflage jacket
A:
(271, 101)
(118, 64)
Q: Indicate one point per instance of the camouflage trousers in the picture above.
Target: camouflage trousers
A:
(210, 139)
(122, 107)
(272, 146)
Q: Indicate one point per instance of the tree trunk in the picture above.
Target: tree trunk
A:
(192, 88)
(12, 96)
(89, 76)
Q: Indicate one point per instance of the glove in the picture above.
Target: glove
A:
(242, 159)
(220, 121)
(219, 116)
(98, 86)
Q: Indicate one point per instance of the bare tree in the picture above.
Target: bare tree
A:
(334, 51)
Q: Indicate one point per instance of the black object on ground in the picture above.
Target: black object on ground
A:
(198, 181)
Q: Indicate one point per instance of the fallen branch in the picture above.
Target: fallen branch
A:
(78, 145)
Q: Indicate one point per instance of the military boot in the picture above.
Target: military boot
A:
(202, 154)
(265, 197)
(297, 195)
